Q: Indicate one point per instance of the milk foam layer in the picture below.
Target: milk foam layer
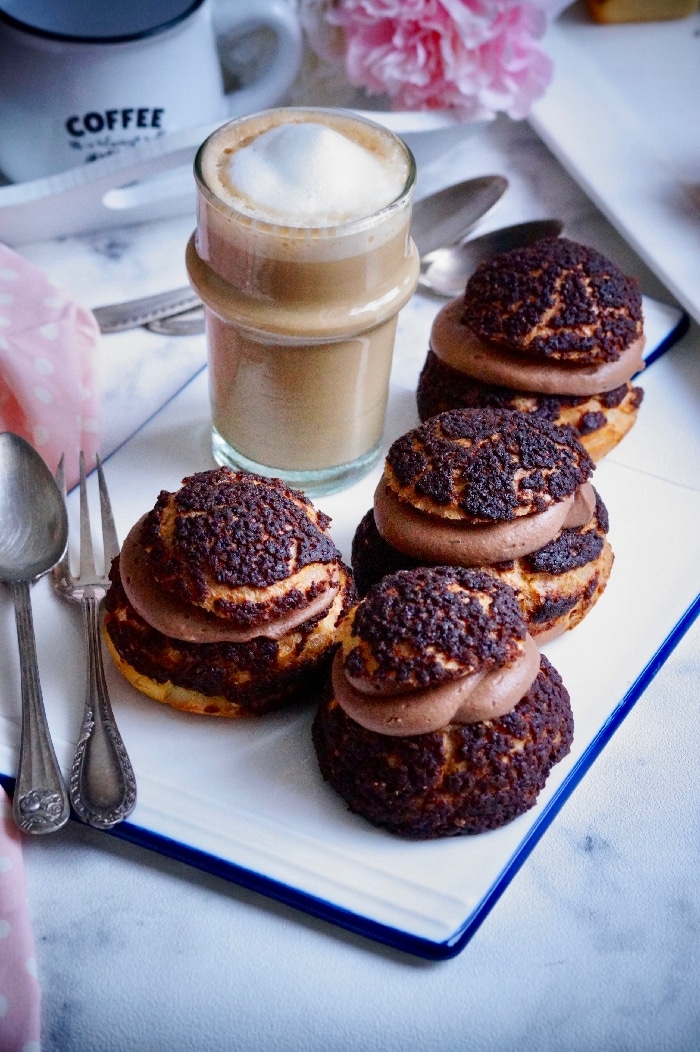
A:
(311, 175)
(305, 172)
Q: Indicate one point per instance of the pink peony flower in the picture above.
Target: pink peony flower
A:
(474, 57)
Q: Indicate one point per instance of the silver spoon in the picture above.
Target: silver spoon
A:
(440, 218)
(445, 271)
(33, 537)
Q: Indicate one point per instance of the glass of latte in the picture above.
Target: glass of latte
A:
(302, 257)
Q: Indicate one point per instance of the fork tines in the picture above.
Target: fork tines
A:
(110, 540)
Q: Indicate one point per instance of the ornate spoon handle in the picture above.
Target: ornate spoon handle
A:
(102, 782)
(40, 803)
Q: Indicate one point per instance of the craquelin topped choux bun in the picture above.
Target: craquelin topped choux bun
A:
(499, 489)
(554, 329)
(226, 596)
(441, 717)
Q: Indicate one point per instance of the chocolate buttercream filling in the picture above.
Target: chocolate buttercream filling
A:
(468, 699)
(459, 543)
(179, 620)
(458, 346)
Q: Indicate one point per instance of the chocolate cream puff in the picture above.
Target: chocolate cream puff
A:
(225, 597)
(554, 329)
(492, 488)
(442, 718)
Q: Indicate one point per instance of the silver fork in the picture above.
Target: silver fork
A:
(102, 786)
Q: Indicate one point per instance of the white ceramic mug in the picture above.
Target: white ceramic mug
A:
(84, 79)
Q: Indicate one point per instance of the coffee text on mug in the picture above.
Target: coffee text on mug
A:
(130, 117)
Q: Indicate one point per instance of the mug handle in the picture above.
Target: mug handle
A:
(236, 20)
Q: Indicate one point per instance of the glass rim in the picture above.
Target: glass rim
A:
(343, 229)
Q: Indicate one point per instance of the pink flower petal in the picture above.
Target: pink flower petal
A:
(477, 57)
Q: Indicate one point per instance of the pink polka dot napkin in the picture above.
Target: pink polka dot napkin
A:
(48, 386)
(20, 996)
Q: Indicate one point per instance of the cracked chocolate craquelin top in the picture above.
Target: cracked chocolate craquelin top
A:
(226, 537)
(486, 465)
(557, 299)
(424, 627)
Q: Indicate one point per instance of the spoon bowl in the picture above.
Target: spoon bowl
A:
(448, 215)
(444, 271)
(33, 537)
(33, 522)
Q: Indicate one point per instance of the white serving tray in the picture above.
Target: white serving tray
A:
(622, 116)
(154, 180)
(244, 800)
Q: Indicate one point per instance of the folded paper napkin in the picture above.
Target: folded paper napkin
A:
(20, 996)
(48, 385)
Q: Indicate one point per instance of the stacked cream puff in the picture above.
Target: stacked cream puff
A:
(555, 330)
(442, 718)
(226, 596)
(497, 489)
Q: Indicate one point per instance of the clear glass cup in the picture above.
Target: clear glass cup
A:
(301, 320)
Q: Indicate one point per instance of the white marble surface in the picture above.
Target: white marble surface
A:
(594, 945)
